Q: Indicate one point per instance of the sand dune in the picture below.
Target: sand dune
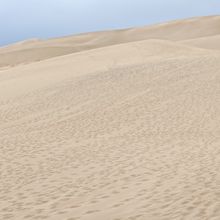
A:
(129, 131)
(32, 55)
(212, 42)
(44, 49)
(45, 73)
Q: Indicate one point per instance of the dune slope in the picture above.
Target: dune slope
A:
(212, 42)
(129, 131)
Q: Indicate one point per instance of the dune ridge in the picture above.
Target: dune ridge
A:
(127, 131)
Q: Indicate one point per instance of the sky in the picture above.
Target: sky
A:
(27, 19)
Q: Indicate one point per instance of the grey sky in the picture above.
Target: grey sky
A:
(23, 19)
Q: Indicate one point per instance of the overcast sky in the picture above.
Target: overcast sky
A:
(24, 19)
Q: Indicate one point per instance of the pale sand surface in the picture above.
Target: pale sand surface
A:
(123, 132)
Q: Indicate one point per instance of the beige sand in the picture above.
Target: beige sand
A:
(123, 132)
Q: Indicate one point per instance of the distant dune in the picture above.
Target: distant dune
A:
(36, 50)
(117, 125)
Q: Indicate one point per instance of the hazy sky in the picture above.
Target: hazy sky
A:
(23, 19)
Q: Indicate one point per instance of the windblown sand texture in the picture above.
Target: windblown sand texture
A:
(117, 125)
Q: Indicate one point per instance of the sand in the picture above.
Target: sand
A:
(123, 130)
